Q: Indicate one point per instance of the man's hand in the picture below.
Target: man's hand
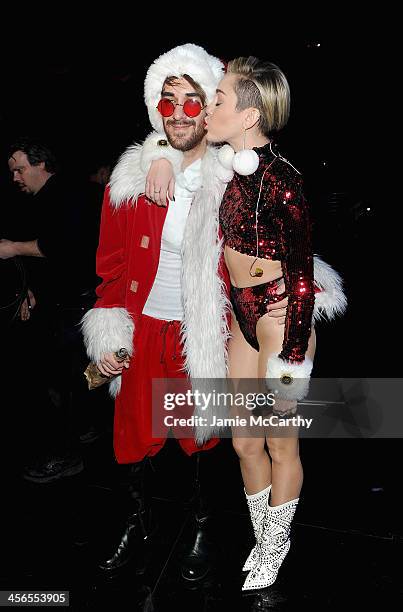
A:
(7, 249)
(278, 310)
(28, 304)
(160, 182)
(110, 366)
(25, 249)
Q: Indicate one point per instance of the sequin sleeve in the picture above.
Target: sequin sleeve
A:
(295, 237)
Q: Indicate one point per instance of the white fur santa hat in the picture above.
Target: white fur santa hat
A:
(190, 59)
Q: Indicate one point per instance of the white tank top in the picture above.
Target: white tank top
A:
(165, 298)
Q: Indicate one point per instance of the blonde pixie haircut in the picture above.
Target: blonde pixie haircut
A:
(262, 85)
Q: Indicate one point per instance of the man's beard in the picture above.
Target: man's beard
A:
(186, 143)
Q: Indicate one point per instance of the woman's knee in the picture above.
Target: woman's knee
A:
(248, 447)
(283, 449)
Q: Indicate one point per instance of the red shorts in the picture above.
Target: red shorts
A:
(157, 354)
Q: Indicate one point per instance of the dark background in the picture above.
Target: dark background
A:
(81, 89)
(84, 92)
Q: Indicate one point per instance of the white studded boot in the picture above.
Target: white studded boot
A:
(273, 546)
(257, 505)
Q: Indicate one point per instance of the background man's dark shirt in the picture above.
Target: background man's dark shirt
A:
(66, 226)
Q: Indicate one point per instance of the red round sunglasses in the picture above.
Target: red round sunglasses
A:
(191, 108)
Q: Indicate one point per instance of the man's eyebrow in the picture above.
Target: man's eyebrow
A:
(192, 94)
(221, 91)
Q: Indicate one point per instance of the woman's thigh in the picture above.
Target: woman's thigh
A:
(242, 357)
(243, 364)
(270, 336)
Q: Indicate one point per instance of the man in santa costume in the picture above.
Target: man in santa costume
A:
(162, 295)
(142, 303)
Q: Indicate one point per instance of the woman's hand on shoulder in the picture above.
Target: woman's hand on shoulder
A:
(160, 182)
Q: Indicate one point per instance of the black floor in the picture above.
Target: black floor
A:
(346, 545)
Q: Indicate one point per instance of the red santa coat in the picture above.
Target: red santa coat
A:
(128, 254)
(127, 262)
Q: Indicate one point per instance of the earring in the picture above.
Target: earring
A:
(244, 162)
(226, 156)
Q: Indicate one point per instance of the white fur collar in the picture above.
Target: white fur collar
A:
(129, 176)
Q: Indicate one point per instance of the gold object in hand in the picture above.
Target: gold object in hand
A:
(95, 378)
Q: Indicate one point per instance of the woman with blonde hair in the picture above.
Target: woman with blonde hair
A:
(266, 225)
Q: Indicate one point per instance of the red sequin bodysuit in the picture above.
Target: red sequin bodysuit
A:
(284, 234)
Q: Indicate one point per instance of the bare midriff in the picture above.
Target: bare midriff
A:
(239, 268)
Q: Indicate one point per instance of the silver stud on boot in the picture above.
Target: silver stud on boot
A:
(273, 546)
(257, 505)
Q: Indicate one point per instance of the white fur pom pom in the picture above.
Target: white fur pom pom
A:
(226, 156)
(246, 162)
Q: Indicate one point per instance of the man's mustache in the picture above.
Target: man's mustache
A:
(174, 122)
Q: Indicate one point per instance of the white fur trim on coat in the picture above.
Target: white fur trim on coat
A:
(106, 330)
(190, 59)
(114, 386)
(204, 329)
(127, 180)
(152, 150)
(331, 301)
(299, 373)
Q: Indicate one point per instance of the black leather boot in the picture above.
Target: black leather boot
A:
(139, 524)
(202, 552)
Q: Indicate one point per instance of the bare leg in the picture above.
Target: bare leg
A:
(253, 457)
(287, 472)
